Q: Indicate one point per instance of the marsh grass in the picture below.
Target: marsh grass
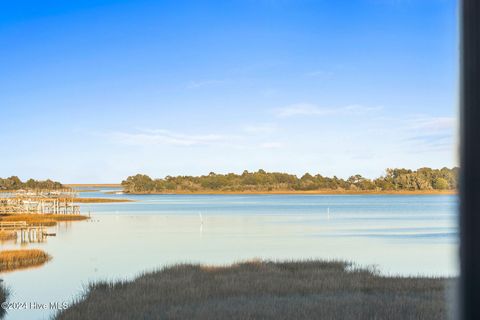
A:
(7, 235)
(4, 293)
(18, 259)
(264, 290)
(42, 222)
(42, 219)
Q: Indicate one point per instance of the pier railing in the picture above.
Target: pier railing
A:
(43, 205)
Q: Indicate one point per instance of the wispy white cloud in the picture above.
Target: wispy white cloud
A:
(356, 109)
(263, 128)
(308, 109)
(166, 137)
(433, 123)
(250, 138)
(204, 83)
(426, 133)
(302, 109)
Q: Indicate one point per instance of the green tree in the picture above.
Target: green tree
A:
(440, 184)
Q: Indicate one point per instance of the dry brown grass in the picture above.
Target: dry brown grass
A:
(4, 293)
(19, 259)
(264, 290)
(7, 235)
(44, 223)
(42, 219)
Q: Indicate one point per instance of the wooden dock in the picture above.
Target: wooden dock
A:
(39, 202)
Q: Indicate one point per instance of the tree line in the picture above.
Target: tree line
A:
(14, 183)
(262, 181)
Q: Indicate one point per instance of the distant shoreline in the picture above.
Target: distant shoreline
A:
(100, 200)
(279, 192)
(112, 185)
(312, 192)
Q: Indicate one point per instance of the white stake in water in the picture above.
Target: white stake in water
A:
(201, 223)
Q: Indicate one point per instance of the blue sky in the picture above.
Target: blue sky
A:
(94, 91)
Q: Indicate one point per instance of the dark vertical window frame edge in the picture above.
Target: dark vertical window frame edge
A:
(470, 160)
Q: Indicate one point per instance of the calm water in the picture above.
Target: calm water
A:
(406, 235)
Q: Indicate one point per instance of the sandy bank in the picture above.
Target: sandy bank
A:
(100, 200)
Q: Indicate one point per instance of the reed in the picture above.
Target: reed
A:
(264, 290)
(7, 235)
(19, 259)
(4, 293)
(42, 222)
(42, 219)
